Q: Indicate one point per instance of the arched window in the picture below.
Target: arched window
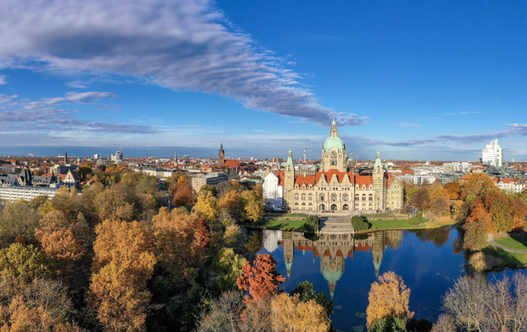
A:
(322, 207)
(303, 197)
(345, 207)
(296, 204)
(334, 197)
(371, 204)
(370, 198)
(310, 204)
(296, 197)
(304, 186)
(363, 197)
(363, 186)
(303, 204)
(333, 207)
(345, 197)
(357, 197)
(322, 197)
(310, 197)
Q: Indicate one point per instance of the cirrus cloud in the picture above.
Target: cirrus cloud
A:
(181, 45)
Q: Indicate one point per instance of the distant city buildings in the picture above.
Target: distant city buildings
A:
(492, 154)
(209, 179)
(117, 156)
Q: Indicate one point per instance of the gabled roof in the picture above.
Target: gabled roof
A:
(232, 163)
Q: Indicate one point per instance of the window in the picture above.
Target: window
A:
(334, 197)
(370, 198)
(322, 197)
(303, 197)
(310, 197)
(345, 197)
(333, 207)
(296, 197)
(322, 207)
(345, 207)
(363, 197)
(357, 197)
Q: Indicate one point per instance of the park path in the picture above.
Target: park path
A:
(490, 239)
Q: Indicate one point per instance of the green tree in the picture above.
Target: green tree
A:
(25, 264)
(227, 267)
(359, 223)
(307, 292)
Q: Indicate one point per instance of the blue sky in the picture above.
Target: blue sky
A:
(434, 80)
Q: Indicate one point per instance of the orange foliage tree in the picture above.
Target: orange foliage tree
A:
(518, 210)
(260, 280)
(231, 204)
(453, 189)
(498, 206)
(123, 263)
(388, 298)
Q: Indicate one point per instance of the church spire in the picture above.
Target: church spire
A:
(378, 162)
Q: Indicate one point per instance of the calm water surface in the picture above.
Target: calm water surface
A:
(344, 267)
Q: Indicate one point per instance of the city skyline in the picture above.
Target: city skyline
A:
(417, 81)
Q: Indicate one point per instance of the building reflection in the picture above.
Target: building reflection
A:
(333, 249)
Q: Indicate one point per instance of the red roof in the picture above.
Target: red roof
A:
(231, 163)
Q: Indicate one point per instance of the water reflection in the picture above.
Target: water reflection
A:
(333, 249)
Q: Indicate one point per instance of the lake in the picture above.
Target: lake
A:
(429, 261)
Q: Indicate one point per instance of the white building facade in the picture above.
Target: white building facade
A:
(273, 193)
(492, 154)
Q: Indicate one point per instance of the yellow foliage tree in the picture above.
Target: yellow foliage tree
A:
(478, 184)
(231, 203)
(252, 204)
(123, 263)
(207, 206)
(388, 298)
(289, 313)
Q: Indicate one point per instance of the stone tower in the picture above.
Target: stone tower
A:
(66, 157)
(221, 157)
(334, 151)
(289, 180)
(379, 183)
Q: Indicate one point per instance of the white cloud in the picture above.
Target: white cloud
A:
(182, 45)
(3, 80)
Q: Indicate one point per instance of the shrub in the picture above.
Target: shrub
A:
(360, 223)
(312, 224)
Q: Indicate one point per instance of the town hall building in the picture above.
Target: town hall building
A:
(334, 186)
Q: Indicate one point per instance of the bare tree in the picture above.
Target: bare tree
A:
(224, 314)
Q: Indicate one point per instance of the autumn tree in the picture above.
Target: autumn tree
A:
(18, 218)
(57, 238)
(497, 205)
(421, 199)
(182, 194)
(307, 292)
(479, 213)
(252, 203)
(25, 264)
(113, 204)
(475, 237)
(41, 305)
(260, 279)
(478, 184)
(453, 189)
(234, 237)
(388, 298)
(224, 314)
(440, 206)
(518, 210)
(231, 204)
(289, 313)
(207, 206)
(227, 267)
(180, 240)
(123, 263)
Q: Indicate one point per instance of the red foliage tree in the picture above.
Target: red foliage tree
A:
(261, 279)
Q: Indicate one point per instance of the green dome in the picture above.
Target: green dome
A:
(333, 141)
(332, 276)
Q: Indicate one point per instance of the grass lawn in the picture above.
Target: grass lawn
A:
(301, 215)
(381, 215)
(389, 224)
(297, 225)
(513, 241)
(507, 257)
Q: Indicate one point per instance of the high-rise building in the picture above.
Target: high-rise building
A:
(118, 156)
(492, 155)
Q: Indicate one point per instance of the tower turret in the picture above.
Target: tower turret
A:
(289, 180)
(379, 183)
(221, 157)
